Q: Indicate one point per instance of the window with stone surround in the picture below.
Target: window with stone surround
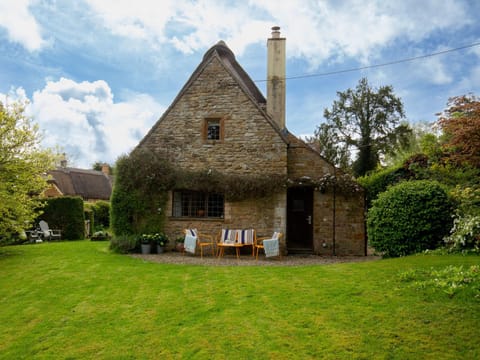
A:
(197, 204)
(213, 129)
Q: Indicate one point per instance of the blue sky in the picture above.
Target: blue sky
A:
(99, 73)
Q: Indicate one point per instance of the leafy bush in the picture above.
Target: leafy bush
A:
(139, 192)
(377, 182)
(123, 244)
(465, 233)
(65, 213)
(451, 279)
(409, 217)
(101, 213)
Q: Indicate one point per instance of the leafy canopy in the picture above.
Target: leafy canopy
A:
(364, 121)
(460, 122)
(23, 168)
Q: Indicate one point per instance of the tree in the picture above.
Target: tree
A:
(23, 168)
(460, 122)
(366, 121)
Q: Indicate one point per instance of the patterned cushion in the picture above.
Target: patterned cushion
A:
(245, 236)
(228, 236)
(271, 247)
(190, 243)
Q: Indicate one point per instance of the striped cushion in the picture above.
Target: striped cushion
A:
(245, 237)
(228, 236)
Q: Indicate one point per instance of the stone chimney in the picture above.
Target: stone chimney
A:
(63, 161)
(106, 169)
(276, 77)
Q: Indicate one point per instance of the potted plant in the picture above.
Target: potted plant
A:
(161, 240)
(145, 243)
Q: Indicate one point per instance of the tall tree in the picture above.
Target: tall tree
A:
(23, 168)
(364, 123)
(460, 122)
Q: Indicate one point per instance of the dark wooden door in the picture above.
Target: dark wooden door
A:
(300, 218)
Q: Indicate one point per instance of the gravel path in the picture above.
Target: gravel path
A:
(246, 260)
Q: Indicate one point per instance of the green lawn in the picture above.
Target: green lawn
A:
(76, 300)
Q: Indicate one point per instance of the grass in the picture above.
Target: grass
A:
(76, 300)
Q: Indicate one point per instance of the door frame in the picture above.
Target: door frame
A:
(300, 220)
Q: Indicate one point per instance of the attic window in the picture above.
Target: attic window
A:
(213, 129)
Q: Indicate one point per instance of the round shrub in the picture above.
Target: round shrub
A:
(409, 217)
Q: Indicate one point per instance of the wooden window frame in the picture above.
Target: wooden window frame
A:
(208, 120)
(197, 204)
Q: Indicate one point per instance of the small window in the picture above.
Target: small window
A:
(213, 130)
(197, 204)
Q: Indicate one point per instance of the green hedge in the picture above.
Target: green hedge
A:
(101, 213)
(409, 217)
(65, 213)
(379, 181)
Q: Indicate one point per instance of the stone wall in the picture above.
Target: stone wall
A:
(265, 215)
(338, 219)
(250, 144)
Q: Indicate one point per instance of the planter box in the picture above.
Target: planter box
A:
(145, 249)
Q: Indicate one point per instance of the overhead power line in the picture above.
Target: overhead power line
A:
(379, 65)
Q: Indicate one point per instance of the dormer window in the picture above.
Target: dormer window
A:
(213, 130)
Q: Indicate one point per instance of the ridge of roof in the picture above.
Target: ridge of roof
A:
(228, 58)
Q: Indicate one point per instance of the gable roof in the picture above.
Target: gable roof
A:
(89, 184)
(228, 60)
(226, 57)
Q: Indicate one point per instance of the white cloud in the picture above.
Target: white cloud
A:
(83, 119)
(433, 71)
(316, 30)
(21, 26)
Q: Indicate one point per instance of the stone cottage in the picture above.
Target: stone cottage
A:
(221, 122)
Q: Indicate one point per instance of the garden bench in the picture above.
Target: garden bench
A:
(236, 238)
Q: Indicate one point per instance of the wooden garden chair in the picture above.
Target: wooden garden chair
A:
(203, 240)
(259, 244)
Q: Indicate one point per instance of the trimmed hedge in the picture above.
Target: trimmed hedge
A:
(409, 217)
(65, 213)
(101, 213)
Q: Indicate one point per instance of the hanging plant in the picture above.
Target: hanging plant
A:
(343, 183)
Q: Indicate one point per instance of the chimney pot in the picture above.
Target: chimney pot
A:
(276, 32)
(63, 161)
